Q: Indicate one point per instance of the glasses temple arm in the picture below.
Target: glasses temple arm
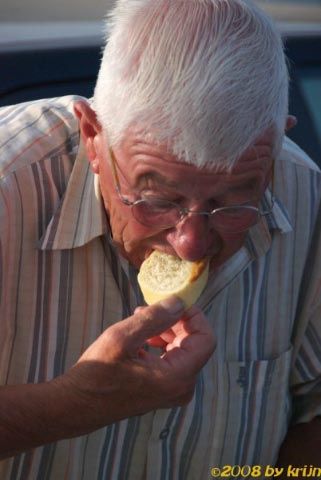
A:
(114, 170)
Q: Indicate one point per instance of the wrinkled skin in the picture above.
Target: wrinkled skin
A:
(146, 168)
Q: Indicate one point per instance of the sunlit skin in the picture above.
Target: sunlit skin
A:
(193, 238)
(140, 166)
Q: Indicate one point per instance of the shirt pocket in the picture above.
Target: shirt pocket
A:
(254, 407)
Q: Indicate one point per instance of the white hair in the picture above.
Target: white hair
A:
(204, 77)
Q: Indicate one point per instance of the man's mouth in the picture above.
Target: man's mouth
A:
(170, 251)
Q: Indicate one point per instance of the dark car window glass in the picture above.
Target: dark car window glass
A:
(310, 82)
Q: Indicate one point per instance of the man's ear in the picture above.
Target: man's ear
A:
(291, 122)
(90, 130)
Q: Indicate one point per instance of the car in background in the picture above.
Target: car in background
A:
(53, 58)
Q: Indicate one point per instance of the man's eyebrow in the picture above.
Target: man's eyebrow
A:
(157, 178)
(161, 180)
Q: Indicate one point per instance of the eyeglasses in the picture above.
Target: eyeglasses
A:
(156, 212)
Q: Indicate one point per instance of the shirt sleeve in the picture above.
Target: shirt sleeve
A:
(7, 277)
(305, 382)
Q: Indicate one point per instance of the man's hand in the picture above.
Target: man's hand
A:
(117, 368)
(115, 378)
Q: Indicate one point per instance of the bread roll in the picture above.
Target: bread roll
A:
(162, 275)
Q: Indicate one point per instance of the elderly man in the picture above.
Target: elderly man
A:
(188, 117)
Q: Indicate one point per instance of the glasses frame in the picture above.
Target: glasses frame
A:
(183, 210)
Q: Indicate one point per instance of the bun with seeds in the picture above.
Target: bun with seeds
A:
(162, 275)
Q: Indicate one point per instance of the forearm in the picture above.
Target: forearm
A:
(302, 445)
(33, 415)
(36, 414)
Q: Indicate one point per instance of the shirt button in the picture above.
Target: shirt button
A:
(164, 433)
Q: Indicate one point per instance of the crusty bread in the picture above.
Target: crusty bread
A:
(162, 275)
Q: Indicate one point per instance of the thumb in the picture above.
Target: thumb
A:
(149, 322)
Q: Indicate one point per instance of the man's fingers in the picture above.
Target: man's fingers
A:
(157, 342)
(149, 322)
(196, 345)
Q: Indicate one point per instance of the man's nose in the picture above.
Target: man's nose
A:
(193, 238)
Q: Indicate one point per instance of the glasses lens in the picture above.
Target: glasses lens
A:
(156, 213)
(235, 219)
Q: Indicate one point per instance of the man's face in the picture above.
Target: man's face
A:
(148, 170)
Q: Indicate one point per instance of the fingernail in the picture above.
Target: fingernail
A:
(173, 305)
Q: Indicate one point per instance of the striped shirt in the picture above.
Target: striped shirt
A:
(62, 283)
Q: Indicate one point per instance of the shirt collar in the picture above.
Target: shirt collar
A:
(80, 217)
(259, 238)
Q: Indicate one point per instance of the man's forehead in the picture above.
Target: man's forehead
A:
(140, 144)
